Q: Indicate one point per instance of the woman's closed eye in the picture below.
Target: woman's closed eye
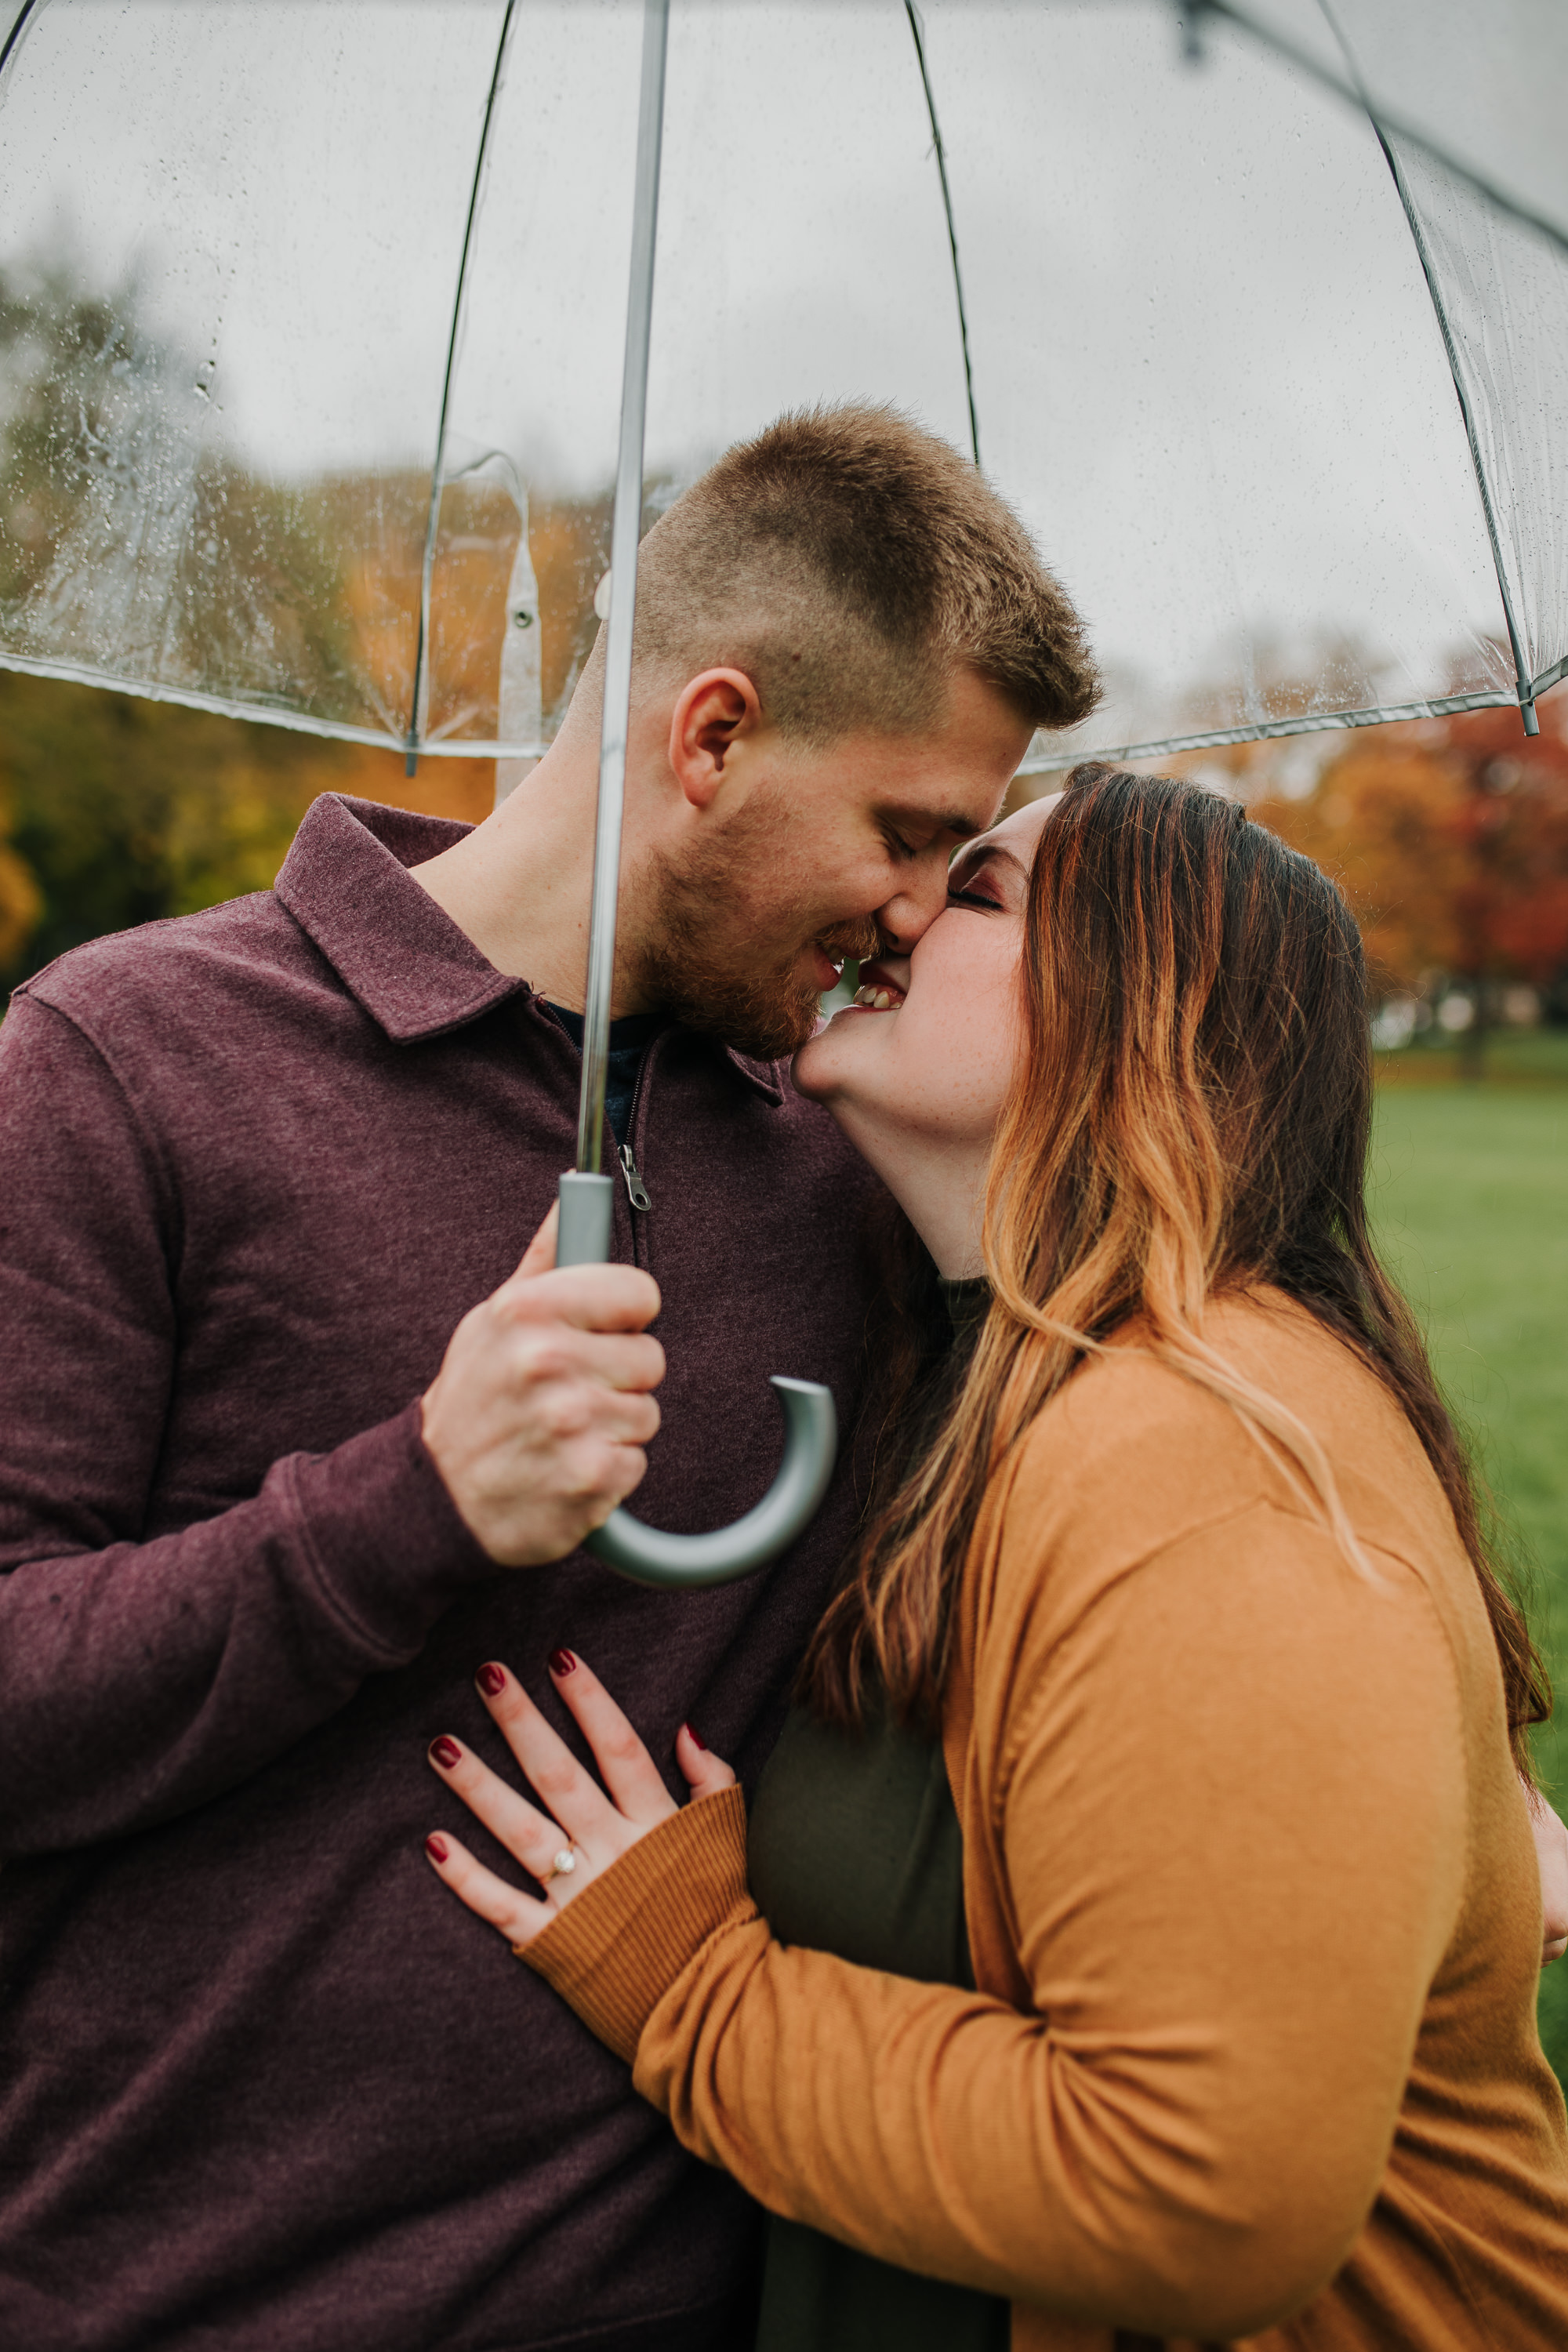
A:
(989, 880)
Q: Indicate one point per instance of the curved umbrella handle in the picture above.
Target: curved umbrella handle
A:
(650, 1556)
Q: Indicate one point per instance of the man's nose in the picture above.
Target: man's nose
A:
(910, 912)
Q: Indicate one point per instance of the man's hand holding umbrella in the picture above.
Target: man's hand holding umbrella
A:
(538, 1417)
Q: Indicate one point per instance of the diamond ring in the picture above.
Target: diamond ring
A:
(562, 1865)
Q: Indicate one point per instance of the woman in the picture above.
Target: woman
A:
(1149, 1914)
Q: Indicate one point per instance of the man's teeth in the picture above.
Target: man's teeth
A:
(876, 999)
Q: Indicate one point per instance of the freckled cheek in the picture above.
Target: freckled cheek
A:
(969, 1043)
(958, 1048)
(969, 982)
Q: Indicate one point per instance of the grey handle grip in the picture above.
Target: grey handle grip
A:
(650, 1555)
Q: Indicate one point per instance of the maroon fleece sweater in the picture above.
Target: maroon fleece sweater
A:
(263, 2084)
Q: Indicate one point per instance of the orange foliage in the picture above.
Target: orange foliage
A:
(21, 904)
(569, 547)
(569, 539)
(1450, 840)
(383, 520)
(464, 789)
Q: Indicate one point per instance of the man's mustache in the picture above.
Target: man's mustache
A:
(857, 942)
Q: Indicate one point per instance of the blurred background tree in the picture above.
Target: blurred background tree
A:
(1450, 838)
(116, 810)
(114, 536)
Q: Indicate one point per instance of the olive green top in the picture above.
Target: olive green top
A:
(855, 1848)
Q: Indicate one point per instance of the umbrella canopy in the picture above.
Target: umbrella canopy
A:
(311, 324)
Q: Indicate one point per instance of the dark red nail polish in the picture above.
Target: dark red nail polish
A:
(562, 1662)
(696, 1738)
(435, 1847)
(445, 1752)
(491, 1680)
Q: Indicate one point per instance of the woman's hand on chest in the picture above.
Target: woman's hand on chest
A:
(587, 1827)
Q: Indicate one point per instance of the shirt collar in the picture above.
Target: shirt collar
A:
(765, 1078)
(347, 885)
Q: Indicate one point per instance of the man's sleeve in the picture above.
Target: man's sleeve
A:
(137, 1678)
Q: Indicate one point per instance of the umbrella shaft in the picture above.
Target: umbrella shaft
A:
(625, 534)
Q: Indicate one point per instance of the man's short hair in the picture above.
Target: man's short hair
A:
(848, 560)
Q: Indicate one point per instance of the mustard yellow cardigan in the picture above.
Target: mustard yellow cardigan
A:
(1252, 1900)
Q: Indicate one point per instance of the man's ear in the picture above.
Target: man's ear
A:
(711, 714)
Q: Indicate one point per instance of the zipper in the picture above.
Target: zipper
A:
(636, 1191)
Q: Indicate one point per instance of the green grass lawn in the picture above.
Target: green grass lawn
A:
(1471, 1191)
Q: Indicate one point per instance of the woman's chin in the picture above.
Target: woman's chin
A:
(821, 1064)
(806, 1067)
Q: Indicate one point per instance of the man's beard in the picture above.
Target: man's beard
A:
(766, 1011)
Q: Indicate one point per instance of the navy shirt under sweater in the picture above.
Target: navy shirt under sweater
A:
(264, 2085)
(630, 1038)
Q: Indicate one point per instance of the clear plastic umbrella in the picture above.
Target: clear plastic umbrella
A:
(319, 403)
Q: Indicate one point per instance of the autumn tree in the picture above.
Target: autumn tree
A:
(303, 594)
(117, 809)
(1450, 839)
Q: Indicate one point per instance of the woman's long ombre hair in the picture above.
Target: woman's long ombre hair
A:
(1193, 1117)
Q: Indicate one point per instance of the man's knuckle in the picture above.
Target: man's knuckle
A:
(561, 1414)
(543, 1354)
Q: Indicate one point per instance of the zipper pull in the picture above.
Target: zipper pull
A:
(636, 1191)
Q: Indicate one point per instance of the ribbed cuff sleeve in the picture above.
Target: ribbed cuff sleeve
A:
(616, 1948)
(388, 1543)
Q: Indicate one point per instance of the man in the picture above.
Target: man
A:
(273, 1485)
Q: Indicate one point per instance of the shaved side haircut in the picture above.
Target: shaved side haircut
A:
(848, 561)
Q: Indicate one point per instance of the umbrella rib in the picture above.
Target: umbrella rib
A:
(917, 28)
(1520, 666)
(14, 35)
(1271, 730)
(421, 648)
(1193, 12)
(1440, 309)
(255, 707)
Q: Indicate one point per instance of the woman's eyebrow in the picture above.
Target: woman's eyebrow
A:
(981, 852)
